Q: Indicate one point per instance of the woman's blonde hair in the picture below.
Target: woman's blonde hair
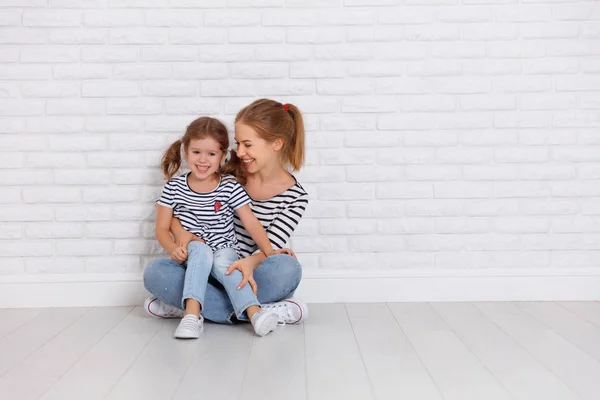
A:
(272, 120)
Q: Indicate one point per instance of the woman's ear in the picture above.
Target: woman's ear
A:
(278, 144)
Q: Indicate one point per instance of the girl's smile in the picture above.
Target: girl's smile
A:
(204, 156)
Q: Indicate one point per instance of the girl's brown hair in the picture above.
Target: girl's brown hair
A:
(272, 120)
(199, 129)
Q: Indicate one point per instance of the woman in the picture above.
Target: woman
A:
(270, 138)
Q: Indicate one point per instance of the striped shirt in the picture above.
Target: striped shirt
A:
(279, 215)
(207, 215)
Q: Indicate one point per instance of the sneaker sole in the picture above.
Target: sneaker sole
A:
(268, 325)
(187, 335)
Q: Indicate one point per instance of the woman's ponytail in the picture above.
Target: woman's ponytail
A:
(171, 159)
(295, 150)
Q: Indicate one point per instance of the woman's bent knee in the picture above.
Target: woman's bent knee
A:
(287, 270)
(152, 272)
(292, 269)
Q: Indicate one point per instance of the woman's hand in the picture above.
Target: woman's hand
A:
(246, 267)
(183, 238)
(284, 251)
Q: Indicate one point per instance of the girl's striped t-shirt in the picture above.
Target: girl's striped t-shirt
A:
(207, 215)
(279, 215)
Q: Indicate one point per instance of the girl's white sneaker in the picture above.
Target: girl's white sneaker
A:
(264, 321)
(190, 327)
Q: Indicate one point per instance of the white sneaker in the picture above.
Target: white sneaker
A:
(157, 308)
(290, 311)
(264, 321)
(190, 327)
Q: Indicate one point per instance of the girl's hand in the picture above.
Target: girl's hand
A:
(180, 254)
(246, 267)
(284, 251)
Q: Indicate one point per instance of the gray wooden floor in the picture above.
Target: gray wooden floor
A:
(482, 351)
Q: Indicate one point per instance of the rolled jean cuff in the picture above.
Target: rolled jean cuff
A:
(240, 312)
(193, 297)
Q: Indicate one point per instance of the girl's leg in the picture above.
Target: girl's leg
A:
(244, 301)
(240, 299)
(199, 264)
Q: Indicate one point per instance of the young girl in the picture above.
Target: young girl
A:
(204, 201)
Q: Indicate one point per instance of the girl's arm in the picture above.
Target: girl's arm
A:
(163, 223)
(255, 229)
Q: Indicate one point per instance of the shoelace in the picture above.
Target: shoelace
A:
(283, 311)
(169, 311)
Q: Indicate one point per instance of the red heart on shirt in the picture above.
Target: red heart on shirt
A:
(217, 206)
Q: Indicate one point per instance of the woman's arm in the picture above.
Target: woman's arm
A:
(255, 229)
(284, 224)
(180, 235)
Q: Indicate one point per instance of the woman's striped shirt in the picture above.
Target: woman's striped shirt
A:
(279, 215)
(207, 215)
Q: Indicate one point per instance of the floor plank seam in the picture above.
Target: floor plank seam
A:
(483, 364)
(163, 323)
(362, 358)
(543, 364)
(415, 352)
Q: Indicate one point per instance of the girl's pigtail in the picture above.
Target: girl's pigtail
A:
(171, 159)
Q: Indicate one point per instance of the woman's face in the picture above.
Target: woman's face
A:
(255, 152)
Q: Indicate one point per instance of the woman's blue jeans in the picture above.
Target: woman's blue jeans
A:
(277, 277)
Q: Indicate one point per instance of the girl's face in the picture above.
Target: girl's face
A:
(204, 156)
(254, 151)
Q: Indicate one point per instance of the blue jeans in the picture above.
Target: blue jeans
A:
(197, 269)
(240, 299)
(277, 277)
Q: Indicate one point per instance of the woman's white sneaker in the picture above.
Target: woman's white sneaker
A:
(157, 308)
(290, 311)
(190, 327)
(264, 321)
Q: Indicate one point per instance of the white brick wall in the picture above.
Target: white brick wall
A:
(441, 134)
